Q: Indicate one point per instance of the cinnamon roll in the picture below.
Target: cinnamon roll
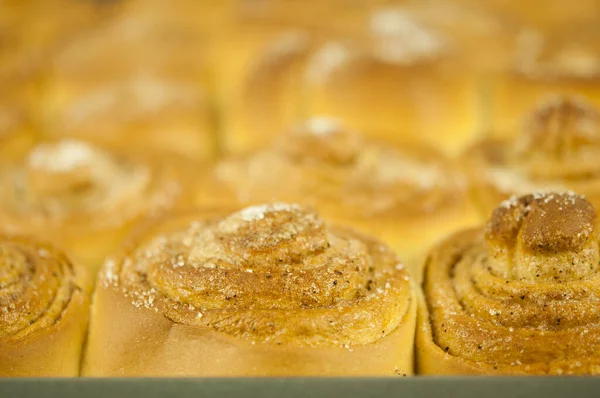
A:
(557, 149)
(270, 290)
(43, 310)
(518, 296)
(83, 196)
(563, 61)
(408, 196)
(262, 56)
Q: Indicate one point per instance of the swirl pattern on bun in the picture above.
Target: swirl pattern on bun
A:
(267, 279)
(518, 296)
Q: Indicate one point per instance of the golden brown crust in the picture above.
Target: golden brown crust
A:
(542, 224)
(270, 276)
(323, 164)
(559, 127)
(407, 72)
(556, 149)
(71, 191)
(43, 310)
(517, 297)
(386, 190)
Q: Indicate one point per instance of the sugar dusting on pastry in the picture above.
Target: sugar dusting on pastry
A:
(258, 212)
(400, 38)
(34, 290)
(321, 125)
(63, 156)
(70, 182)
(560, 126)
(524, 299)
(557, 149)
(329, 58)
(323, 163)
(280, 275)
(389, 167)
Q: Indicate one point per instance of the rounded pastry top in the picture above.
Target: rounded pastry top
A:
(557, 149)
(532, 237)
(444, 36)
(521, 294)
(37, 283)
(398, 36)
(70, 184)
(323, 164)
(272, 273)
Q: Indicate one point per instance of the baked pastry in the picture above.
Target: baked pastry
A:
(563, 61)
(557, 148)
(257, 83)
(270, 290)
(138, 78)
(44, 304)
(412, 73)
(261, 57)
(83, 197)
(408, 196)
(516, 297)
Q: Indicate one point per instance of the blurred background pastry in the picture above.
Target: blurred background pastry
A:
(412, 71)
(44, 302)
(259, 56)
(143, 76)
(562, 61)
(408, 195)
(83, 196)
(32, 30)
(556, 147)
(270, 290)
(518, 296)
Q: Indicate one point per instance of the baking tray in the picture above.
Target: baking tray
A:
(444, 387)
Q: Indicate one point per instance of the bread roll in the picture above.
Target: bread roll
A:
(411, 72)
(83, 196)
(258, 84)
(516, 297)
(564, 61)
(409, 196)
(267, 291)
(44, 303)
(261, 58)
(557, 148)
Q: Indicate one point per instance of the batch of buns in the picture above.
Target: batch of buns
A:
(299, 187)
